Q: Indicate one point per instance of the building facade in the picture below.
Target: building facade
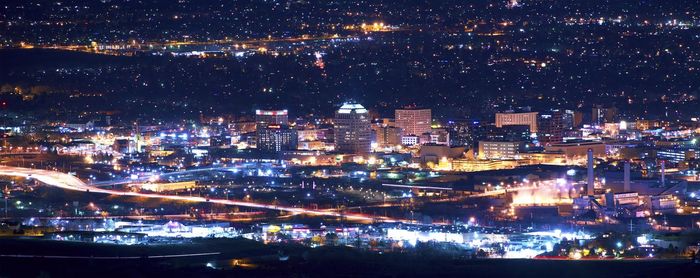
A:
(271, 117)
(526, 118)
(352, 129)
(276, 138)
(499, 150)
(413, 121)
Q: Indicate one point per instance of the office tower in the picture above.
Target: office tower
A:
(352, 129)
(272, 131)
(550, 128)
(413, 121)
(271, 117)
(601, 114)
(526, 118)
(275, 138)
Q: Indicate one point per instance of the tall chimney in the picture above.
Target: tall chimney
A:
(627, 176)
(663, 173)
(591, 177)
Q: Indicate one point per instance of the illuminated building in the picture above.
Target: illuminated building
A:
(525, 118)
(387, 136)
(312, 134)
(410, 140)
(462, 132)
(499, 150)
(434, 153)
(440, 136)
(550, 128)
(276, 138)
(647, 124)
(676, 155)
(413, 121)
(663, 203)
(601, 114)
(352, 129)
(220, 141)
(311, 145)
(124, 146)
(578, 150)
(469, 165)
(271, 117)
(272, 132)
(162, 187)
(571, 119)
(507, 133)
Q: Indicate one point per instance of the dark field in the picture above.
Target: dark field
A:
(262, 261)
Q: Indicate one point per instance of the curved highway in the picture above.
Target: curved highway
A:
(69, 182)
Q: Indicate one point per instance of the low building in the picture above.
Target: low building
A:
(164, 187)
(499, 150)
(434, 153)
(468, 165)
(578, 150)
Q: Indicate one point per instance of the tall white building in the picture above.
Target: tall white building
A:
(352, 129)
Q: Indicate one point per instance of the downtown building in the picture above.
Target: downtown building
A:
(551, 128)
(413, 121)
(272, 132)
(500, 150)
(276, 138)
(511, 118)
(352, 129)
(271, 117)
(387, 134)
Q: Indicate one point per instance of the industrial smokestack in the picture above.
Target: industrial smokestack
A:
(663, 173)
(627, 187)
(591, 177)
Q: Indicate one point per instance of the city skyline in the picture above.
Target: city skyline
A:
(371, 138)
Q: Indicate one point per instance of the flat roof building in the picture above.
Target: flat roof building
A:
(413, 121)
(526, 118)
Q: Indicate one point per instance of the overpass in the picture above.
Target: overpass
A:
(69, 182)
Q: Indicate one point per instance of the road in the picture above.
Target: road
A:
(69, 182)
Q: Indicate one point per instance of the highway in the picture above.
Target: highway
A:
(69, 182)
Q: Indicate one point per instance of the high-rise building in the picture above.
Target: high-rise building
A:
(601, 114)
(352, 129)
(506, 133)
(551, 128)
(272, 131)
(463, 133)
(571, 119)
(413, 121)
(510, 118)
(276, 138)
(271, 117)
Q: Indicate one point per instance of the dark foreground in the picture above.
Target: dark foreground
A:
(243, 258)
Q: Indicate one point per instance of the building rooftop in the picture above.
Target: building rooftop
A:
(348, 108)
